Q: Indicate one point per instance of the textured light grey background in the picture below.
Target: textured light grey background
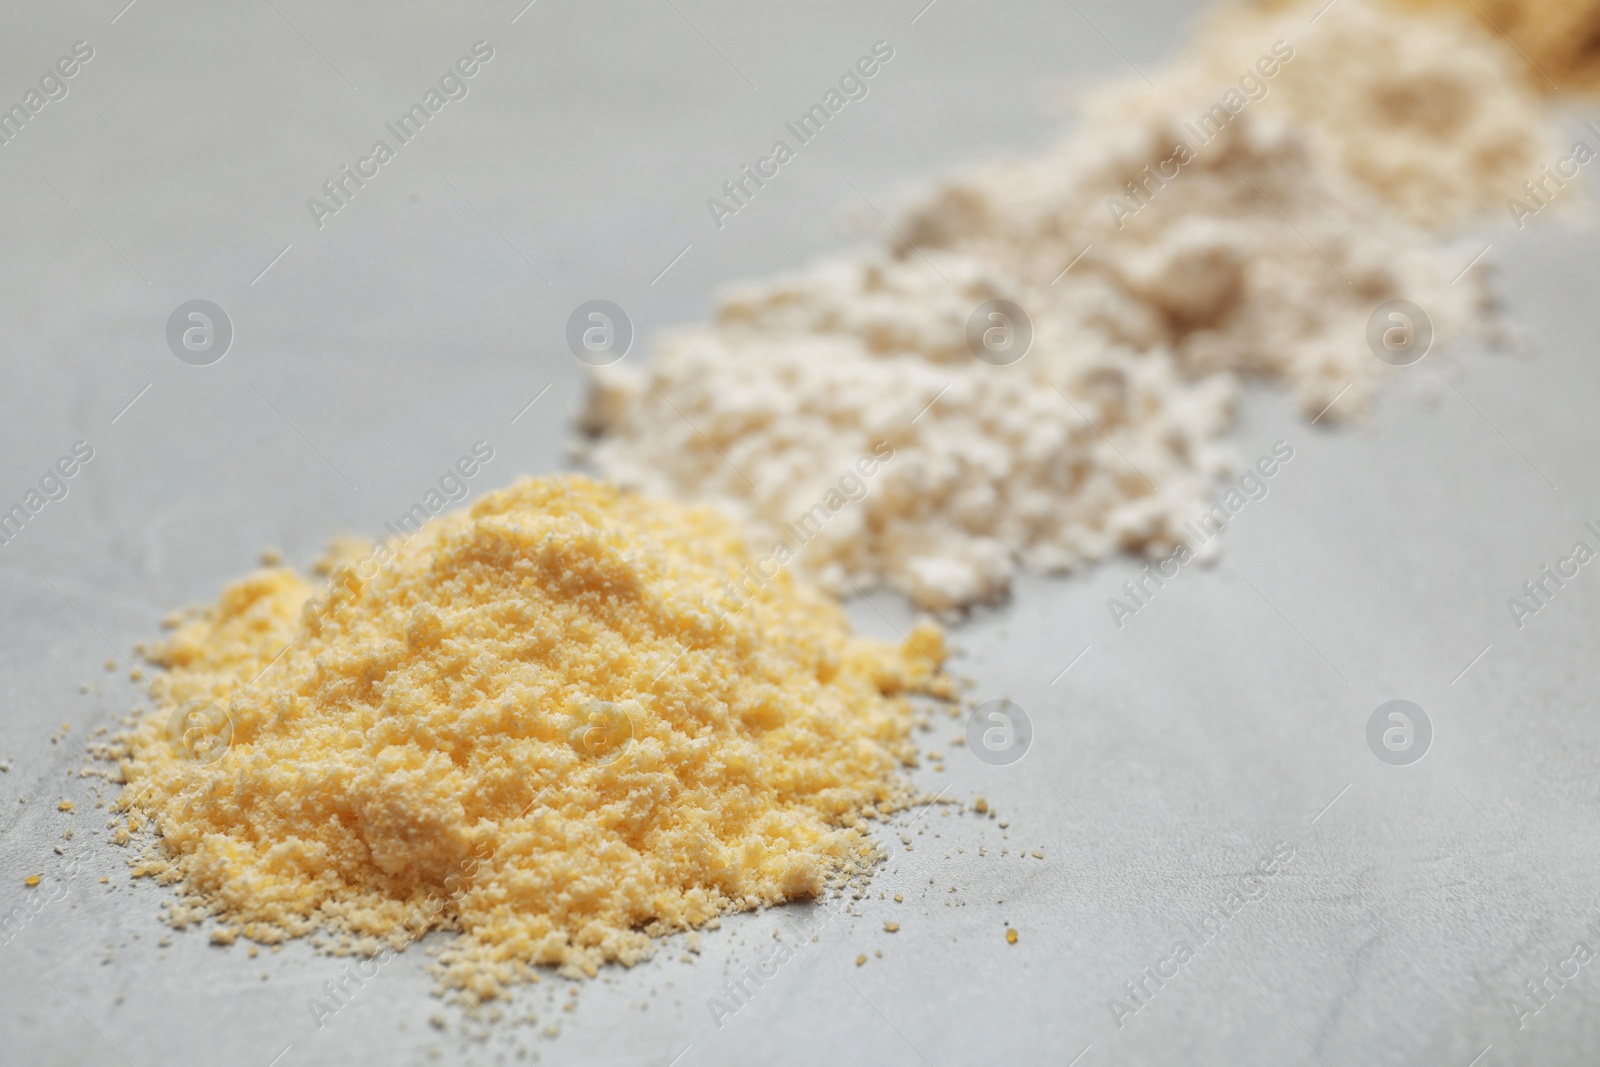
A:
(1174, 755)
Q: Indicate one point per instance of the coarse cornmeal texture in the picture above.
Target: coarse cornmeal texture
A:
(527, 725)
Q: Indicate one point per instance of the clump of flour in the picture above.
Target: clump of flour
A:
(1082, 448)
(1183, 237)
(1554, 38)
(1431, 113)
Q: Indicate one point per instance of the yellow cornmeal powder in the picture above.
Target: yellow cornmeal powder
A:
(542, 723)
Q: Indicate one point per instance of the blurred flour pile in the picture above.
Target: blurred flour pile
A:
(1242, 217)
(1556, 38)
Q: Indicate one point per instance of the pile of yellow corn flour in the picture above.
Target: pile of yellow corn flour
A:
(542, 722)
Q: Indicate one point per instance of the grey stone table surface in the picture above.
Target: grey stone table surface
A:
(1221, 732)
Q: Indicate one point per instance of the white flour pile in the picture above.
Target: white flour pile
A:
(1433, 113)
(802, 377)
(1254, 242)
